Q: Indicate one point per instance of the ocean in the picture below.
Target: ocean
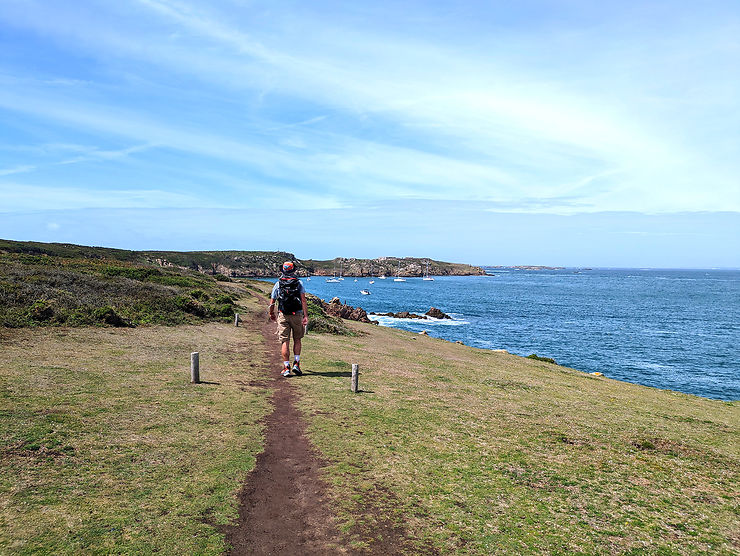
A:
(669, 329)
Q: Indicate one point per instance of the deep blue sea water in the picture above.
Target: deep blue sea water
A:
(670, 329)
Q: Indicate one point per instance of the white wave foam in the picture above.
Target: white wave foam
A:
(391, 321)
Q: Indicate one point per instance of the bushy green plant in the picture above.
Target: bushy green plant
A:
(41, 311)
(200, 295)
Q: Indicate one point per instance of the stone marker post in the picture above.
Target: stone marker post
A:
(355, 377)
(195, 367)
(236, 319)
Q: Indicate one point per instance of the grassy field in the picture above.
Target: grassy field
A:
(485, 453)
(107, 447)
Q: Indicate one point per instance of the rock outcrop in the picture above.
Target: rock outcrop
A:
(401, 315)
(437, 314)
(432, 312)
(336, 308)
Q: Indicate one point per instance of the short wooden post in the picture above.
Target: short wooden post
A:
(236, 319)
(195, 367)
(355, 377)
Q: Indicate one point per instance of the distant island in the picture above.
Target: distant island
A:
(249, 264)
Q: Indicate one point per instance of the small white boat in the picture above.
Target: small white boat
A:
(365, 292)
(334, 275)
(426, 276)
(398, 274)
(382, 276)
(355, 279)
(372, 281)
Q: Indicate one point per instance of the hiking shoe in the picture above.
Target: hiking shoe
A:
(297, 368)
(286, 371)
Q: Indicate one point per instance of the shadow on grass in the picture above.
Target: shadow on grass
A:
(207, 382)
(328, 373)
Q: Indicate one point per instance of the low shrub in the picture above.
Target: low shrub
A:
(190, 305)
(41, 311)
(538, 358)
(223, 310)
(109, 316)
(224, 299)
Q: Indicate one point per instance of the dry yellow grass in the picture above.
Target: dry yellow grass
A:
(107, 448)
(484, 452)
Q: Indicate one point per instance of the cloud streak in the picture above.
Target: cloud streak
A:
(596, 110)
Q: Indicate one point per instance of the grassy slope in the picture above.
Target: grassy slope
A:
(482, 452)
(241, 263)
(41, 290)
(244, 260)
(107, 448)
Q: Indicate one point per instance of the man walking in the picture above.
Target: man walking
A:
(292, 315)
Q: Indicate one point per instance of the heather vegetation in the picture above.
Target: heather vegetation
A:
(216, 263)
(43, 290)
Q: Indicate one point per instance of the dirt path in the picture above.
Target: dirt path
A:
(283, 505)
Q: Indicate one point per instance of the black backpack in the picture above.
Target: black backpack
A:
(289, 295)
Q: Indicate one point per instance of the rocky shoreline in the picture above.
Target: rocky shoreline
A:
(336, 308)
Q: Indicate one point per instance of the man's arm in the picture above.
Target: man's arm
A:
(305, 309)
(271, 308)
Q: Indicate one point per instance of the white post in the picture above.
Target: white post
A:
(195, 367)
(236, 319)
(355, 377)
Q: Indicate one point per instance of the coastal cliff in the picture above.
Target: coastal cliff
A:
(246, 264)
(389, 266)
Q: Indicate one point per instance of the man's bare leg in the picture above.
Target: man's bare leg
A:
(285, 350)
(296, 346)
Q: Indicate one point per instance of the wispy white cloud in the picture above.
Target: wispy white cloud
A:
(609, 115)
(20, 197)
(16, 170)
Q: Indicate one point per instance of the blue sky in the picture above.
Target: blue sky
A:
(535, 132)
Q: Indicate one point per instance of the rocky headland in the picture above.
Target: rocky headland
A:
(407, 267)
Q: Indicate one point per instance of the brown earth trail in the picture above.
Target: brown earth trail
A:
(283, 505)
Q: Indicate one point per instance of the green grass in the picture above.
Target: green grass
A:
(107, 447)
(482, 453)
(41, 290)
